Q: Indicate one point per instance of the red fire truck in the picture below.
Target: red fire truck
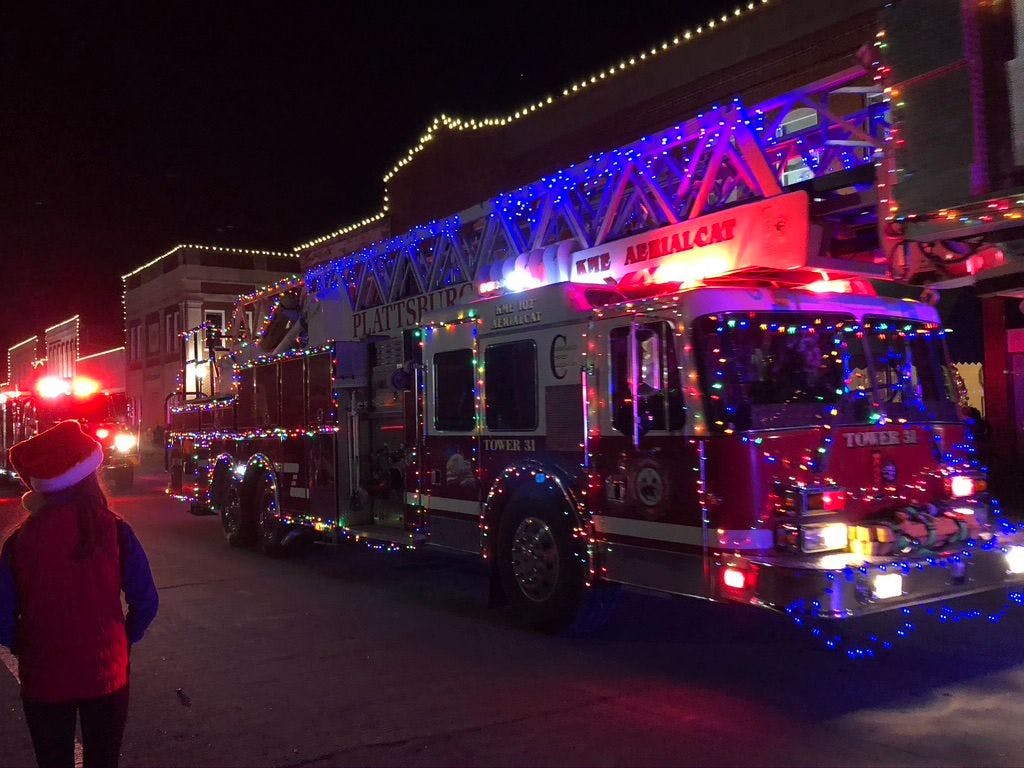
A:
(108, 416)
(696, 409)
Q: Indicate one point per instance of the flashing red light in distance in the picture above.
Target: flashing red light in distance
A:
(50, 387)
(102, 433)
(82, 386)
(961, 485)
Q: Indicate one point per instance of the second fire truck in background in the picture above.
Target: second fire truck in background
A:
(107, 416)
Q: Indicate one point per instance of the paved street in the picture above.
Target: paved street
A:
(350, 657)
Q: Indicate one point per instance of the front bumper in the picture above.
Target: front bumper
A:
(843, 585)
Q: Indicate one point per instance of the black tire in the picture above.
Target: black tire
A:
(218, 495)
(239, 526)
(266, 508)
(537, 567)
(200, 510)
(177, 478)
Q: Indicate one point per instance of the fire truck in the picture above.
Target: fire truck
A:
(696, 409)
(107, 416)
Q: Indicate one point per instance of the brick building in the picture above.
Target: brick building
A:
(68, 349)
(23, 359)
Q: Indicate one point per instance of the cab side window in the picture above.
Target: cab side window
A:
(650, 376)
(454, 404)
(510, 372)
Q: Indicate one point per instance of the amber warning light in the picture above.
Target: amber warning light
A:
(81, 386)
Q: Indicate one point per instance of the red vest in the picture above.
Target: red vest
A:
(71, 639)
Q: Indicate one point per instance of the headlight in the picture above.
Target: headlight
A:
(125, 441)
(1015, 559)
(823, 537)
(887, 585)
(961, 486)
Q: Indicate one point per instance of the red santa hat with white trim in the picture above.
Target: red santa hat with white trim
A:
(57, 458)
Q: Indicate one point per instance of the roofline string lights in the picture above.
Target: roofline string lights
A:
(175, 249)
(452, 123)
(216, 248)
(104, 352)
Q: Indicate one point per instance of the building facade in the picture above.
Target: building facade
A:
(61, 343)
(23, 359)
(954, 183)
(68, 349)
(188, 286)
(106, 367)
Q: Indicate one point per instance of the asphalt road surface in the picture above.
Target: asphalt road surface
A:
(349, 657)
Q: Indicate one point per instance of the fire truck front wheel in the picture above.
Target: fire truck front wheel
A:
(238, 525)
(540, 575)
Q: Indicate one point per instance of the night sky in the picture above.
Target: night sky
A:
(127, 128)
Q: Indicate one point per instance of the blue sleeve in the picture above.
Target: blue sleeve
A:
(8, 595)
(137, 583)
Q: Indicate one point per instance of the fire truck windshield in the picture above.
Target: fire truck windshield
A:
(912, 378)
(761, 370)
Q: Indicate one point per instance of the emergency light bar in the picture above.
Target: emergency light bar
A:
(515, 281)
(52, 387)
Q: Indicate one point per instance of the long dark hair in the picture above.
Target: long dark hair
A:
(87, 496)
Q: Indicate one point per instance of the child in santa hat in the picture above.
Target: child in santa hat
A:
(61, 577)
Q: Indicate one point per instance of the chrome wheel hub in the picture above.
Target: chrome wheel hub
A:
(535, 559)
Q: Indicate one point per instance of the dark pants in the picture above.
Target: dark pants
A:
(53, 730)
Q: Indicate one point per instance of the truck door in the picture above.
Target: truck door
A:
(449, 469)
(320, 460)
(384, 450)
(647, 461)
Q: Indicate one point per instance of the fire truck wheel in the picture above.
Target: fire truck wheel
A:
(540, 575)
(200, 510)
(238, 528)
(271, 530)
